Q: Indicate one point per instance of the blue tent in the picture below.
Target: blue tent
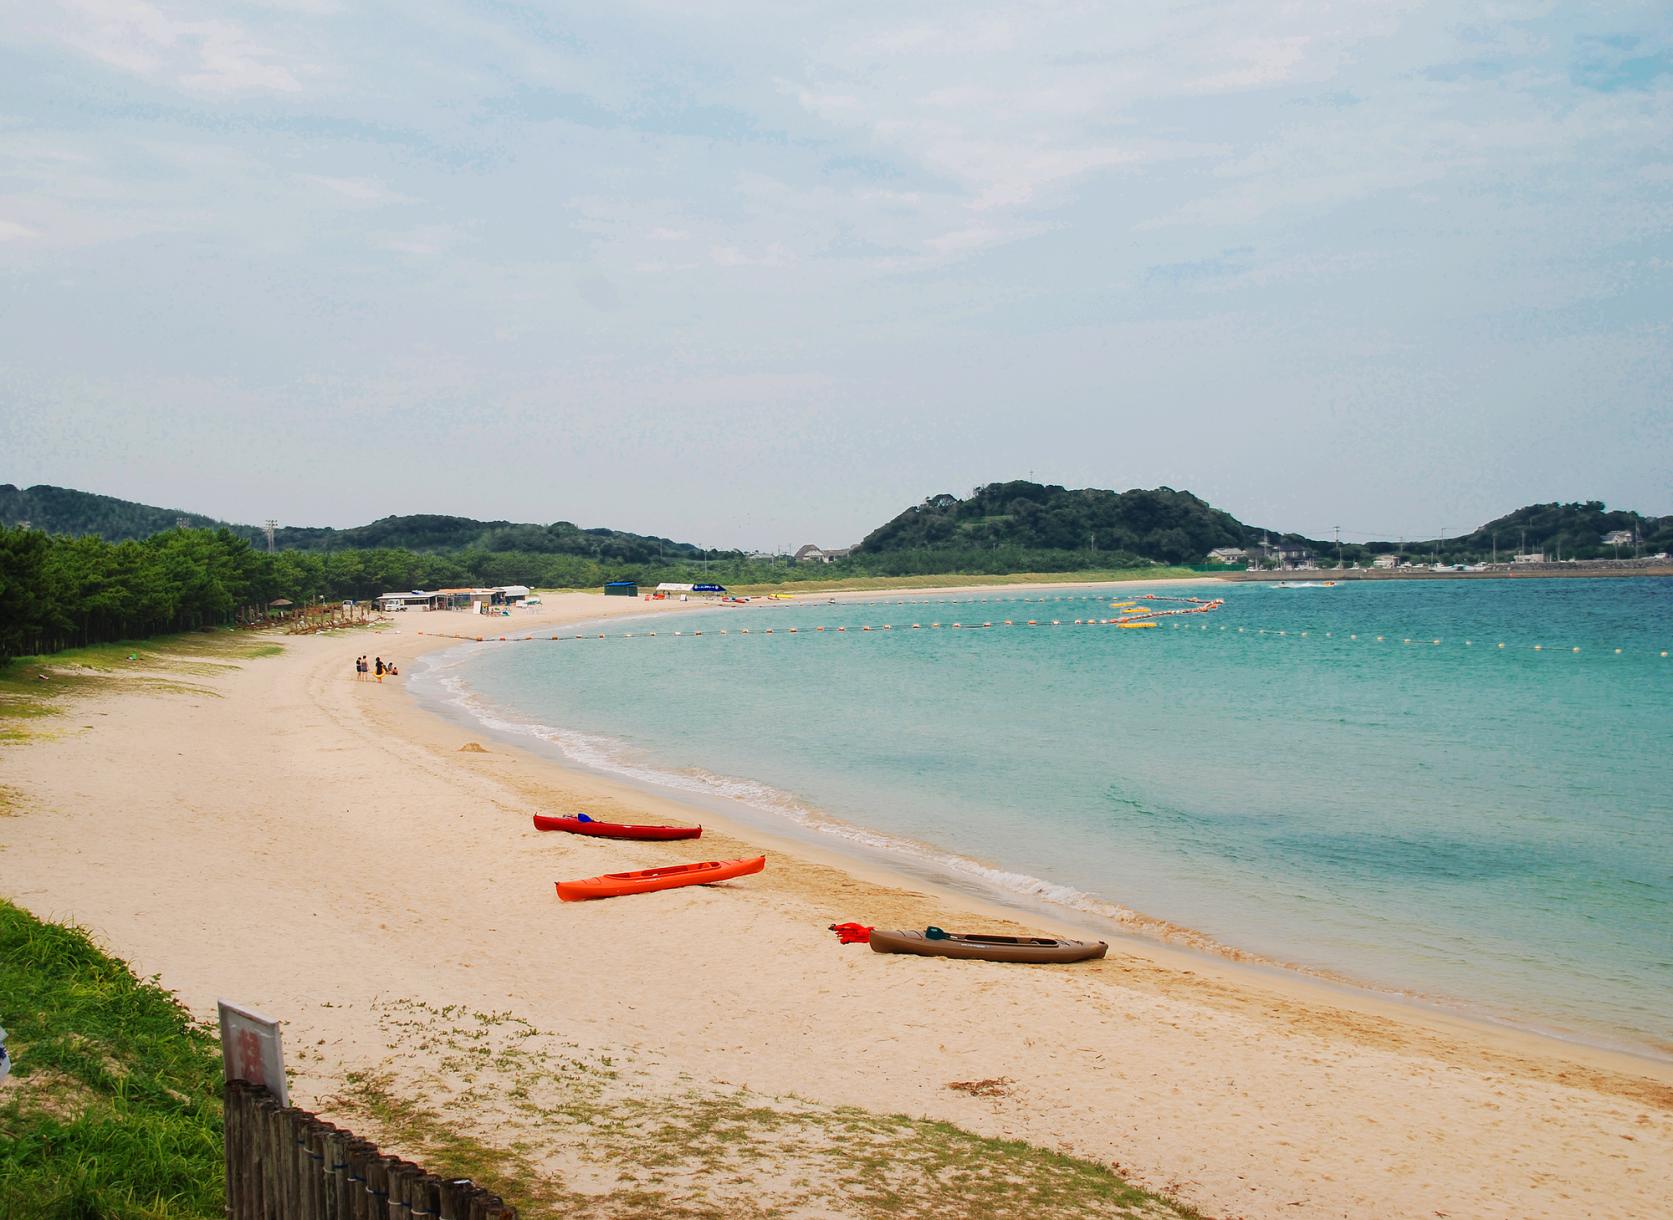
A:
(708, 588)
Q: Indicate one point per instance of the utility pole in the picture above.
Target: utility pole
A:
(1338, 530)
(267, 528)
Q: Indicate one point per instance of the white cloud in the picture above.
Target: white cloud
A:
(207, 54)
(10, 230)
(422, 240)
(362, 191)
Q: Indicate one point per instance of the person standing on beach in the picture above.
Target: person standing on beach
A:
(380, 669)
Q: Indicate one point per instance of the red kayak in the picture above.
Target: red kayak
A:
(583, 825)
(614, 885)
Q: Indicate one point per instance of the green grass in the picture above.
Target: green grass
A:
(626, 1148)
(114, 1104)
(37, 686)
(114, 1113)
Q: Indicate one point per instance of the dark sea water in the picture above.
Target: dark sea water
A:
(1357, 780)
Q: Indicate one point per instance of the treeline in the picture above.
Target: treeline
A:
(58, 593)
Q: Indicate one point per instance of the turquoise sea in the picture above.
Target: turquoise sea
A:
(1357, 781)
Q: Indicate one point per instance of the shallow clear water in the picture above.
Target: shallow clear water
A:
(1474, 825)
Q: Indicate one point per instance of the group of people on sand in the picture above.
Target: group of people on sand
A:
(378, 666)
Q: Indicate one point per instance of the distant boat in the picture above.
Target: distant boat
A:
(1305, 584)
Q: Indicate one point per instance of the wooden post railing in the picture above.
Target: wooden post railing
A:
(287, 1164)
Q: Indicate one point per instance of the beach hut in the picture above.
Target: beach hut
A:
(621, 588)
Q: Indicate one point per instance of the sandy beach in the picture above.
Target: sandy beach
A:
(324, 849)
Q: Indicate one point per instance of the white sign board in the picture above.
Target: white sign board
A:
(250, 1049)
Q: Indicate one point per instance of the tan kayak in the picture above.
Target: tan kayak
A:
(986, 948)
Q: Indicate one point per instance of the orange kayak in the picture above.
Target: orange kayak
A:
(613, 885)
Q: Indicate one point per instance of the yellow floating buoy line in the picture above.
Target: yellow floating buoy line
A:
(1142, 617)
(1574, 649)
(1135, 616)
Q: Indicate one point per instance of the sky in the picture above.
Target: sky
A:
(761, 274)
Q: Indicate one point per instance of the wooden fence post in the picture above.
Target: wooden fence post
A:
(288, 1164)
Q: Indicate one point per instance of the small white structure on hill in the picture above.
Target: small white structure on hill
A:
(815, 554)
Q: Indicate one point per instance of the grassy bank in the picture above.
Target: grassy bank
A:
(113, 1112)
(563, 1131)
(37, 686)
(114, 1106)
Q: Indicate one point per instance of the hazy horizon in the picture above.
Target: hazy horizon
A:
(753, 277)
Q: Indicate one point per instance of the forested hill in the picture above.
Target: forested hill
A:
(60, 510)
(1016, 526)
(431, 534)
(1163, 524)
(1568, 530)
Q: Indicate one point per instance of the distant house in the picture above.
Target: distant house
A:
(1618, 538)
(814, 554)
(1386, 561)
(1530, 557)
(1290, 555)
(1228, 554)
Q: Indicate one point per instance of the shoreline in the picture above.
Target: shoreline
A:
(967, 881)
(1236, 1092)
(900, 863)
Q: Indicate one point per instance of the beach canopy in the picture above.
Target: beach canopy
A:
(707, 588)
(669, 586)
